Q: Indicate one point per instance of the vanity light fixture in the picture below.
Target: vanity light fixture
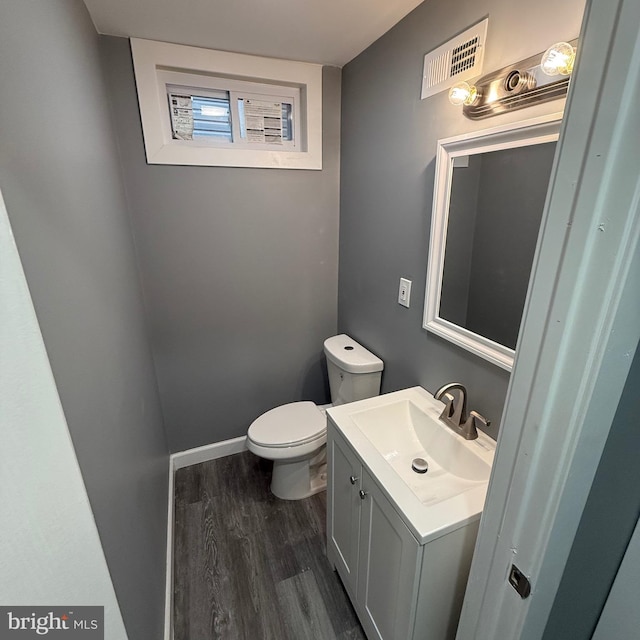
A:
(558, 59)
(537, 79)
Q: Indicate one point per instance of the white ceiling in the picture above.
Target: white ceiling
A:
(329, 32)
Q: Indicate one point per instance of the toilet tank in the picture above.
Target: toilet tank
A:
(354, 372)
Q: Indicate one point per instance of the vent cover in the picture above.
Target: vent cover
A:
(456, 60)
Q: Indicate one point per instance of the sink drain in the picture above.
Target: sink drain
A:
(420, 465)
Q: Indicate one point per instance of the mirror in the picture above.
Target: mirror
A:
(489, 195)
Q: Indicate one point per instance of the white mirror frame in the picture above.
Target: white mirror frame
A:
(520, 134)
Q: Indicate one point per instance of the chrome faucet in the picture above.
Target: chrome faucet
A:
(454, 414)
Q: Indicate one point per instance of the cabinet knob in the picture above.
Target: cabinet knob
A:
(362, 494)
(353, 479)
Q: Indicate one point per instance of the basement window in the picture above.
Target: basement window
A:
(218, 118)
(227, 113)
(212, 108)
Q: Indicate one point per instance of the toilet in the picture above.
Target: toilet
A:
(294, 435)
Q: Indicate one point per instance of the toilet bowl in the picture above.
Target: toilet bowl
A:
(294, 435)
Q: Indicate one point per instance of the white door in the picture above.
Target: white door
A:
(580, 330)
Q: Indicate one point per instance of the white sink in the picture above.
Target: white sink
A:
(401, 431)
(391, 430)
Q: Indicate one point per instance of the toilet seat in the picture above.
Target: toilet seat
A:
(290, 425)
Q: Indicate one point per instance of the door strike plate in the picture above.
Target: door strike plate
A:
(519, 582)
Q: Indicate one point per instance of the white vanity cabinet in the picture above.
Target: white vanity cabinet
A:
(401, 589)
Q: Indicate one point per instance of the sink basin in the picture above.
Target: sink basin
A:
(389, 431)
(402, 431)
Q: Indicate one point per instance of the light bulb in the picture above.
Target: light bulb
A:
(558, 59)
(462, 93)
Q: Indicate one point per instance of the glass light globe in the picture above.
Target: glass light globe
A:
(462, 93)
(558, 59)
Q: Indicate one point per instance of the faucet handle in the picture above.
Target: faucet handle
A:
(469, 430)
(479, 418)
(448, 400)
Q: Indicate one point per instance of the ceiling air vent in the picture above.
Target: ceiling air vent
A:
(456, 60)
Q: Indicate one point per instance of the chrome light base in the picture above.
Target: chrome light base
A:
(515, 87)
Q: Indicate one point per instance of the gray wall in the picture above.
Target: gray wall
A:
(510, 202)
(608, 521)
(461, 224)
(40, 532)
(388, 149)
(61, 181)
(239, 271)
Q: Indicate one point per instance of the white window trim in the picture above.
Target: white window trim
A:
(151, 59)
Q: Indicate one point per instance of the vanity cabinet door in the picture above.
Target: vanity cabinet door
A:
(388, 568)
(343, 510)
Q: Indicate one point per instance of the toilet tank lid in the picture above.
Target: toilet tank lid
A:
(350, 356)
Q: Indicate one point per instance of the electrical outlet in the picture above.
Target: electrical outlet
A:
(404, 292)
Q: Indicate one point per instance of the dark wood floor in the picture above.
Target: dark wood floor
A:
(251, 566)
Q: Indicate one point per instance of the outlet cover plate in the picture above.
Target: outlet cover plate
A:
(404, 292)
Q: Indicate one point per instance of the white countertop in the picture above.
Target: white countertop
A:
(426, 521)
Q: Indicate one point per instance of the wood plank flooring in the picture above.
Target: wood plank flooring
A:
(250, 566)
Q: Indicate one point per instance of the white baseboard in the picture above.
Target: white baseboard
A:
(208, 452)
(178, 461)
(168, 597)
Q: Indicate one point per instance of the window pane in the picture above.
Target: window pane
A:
(287, 120)
(211, 118)
(198, 117)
